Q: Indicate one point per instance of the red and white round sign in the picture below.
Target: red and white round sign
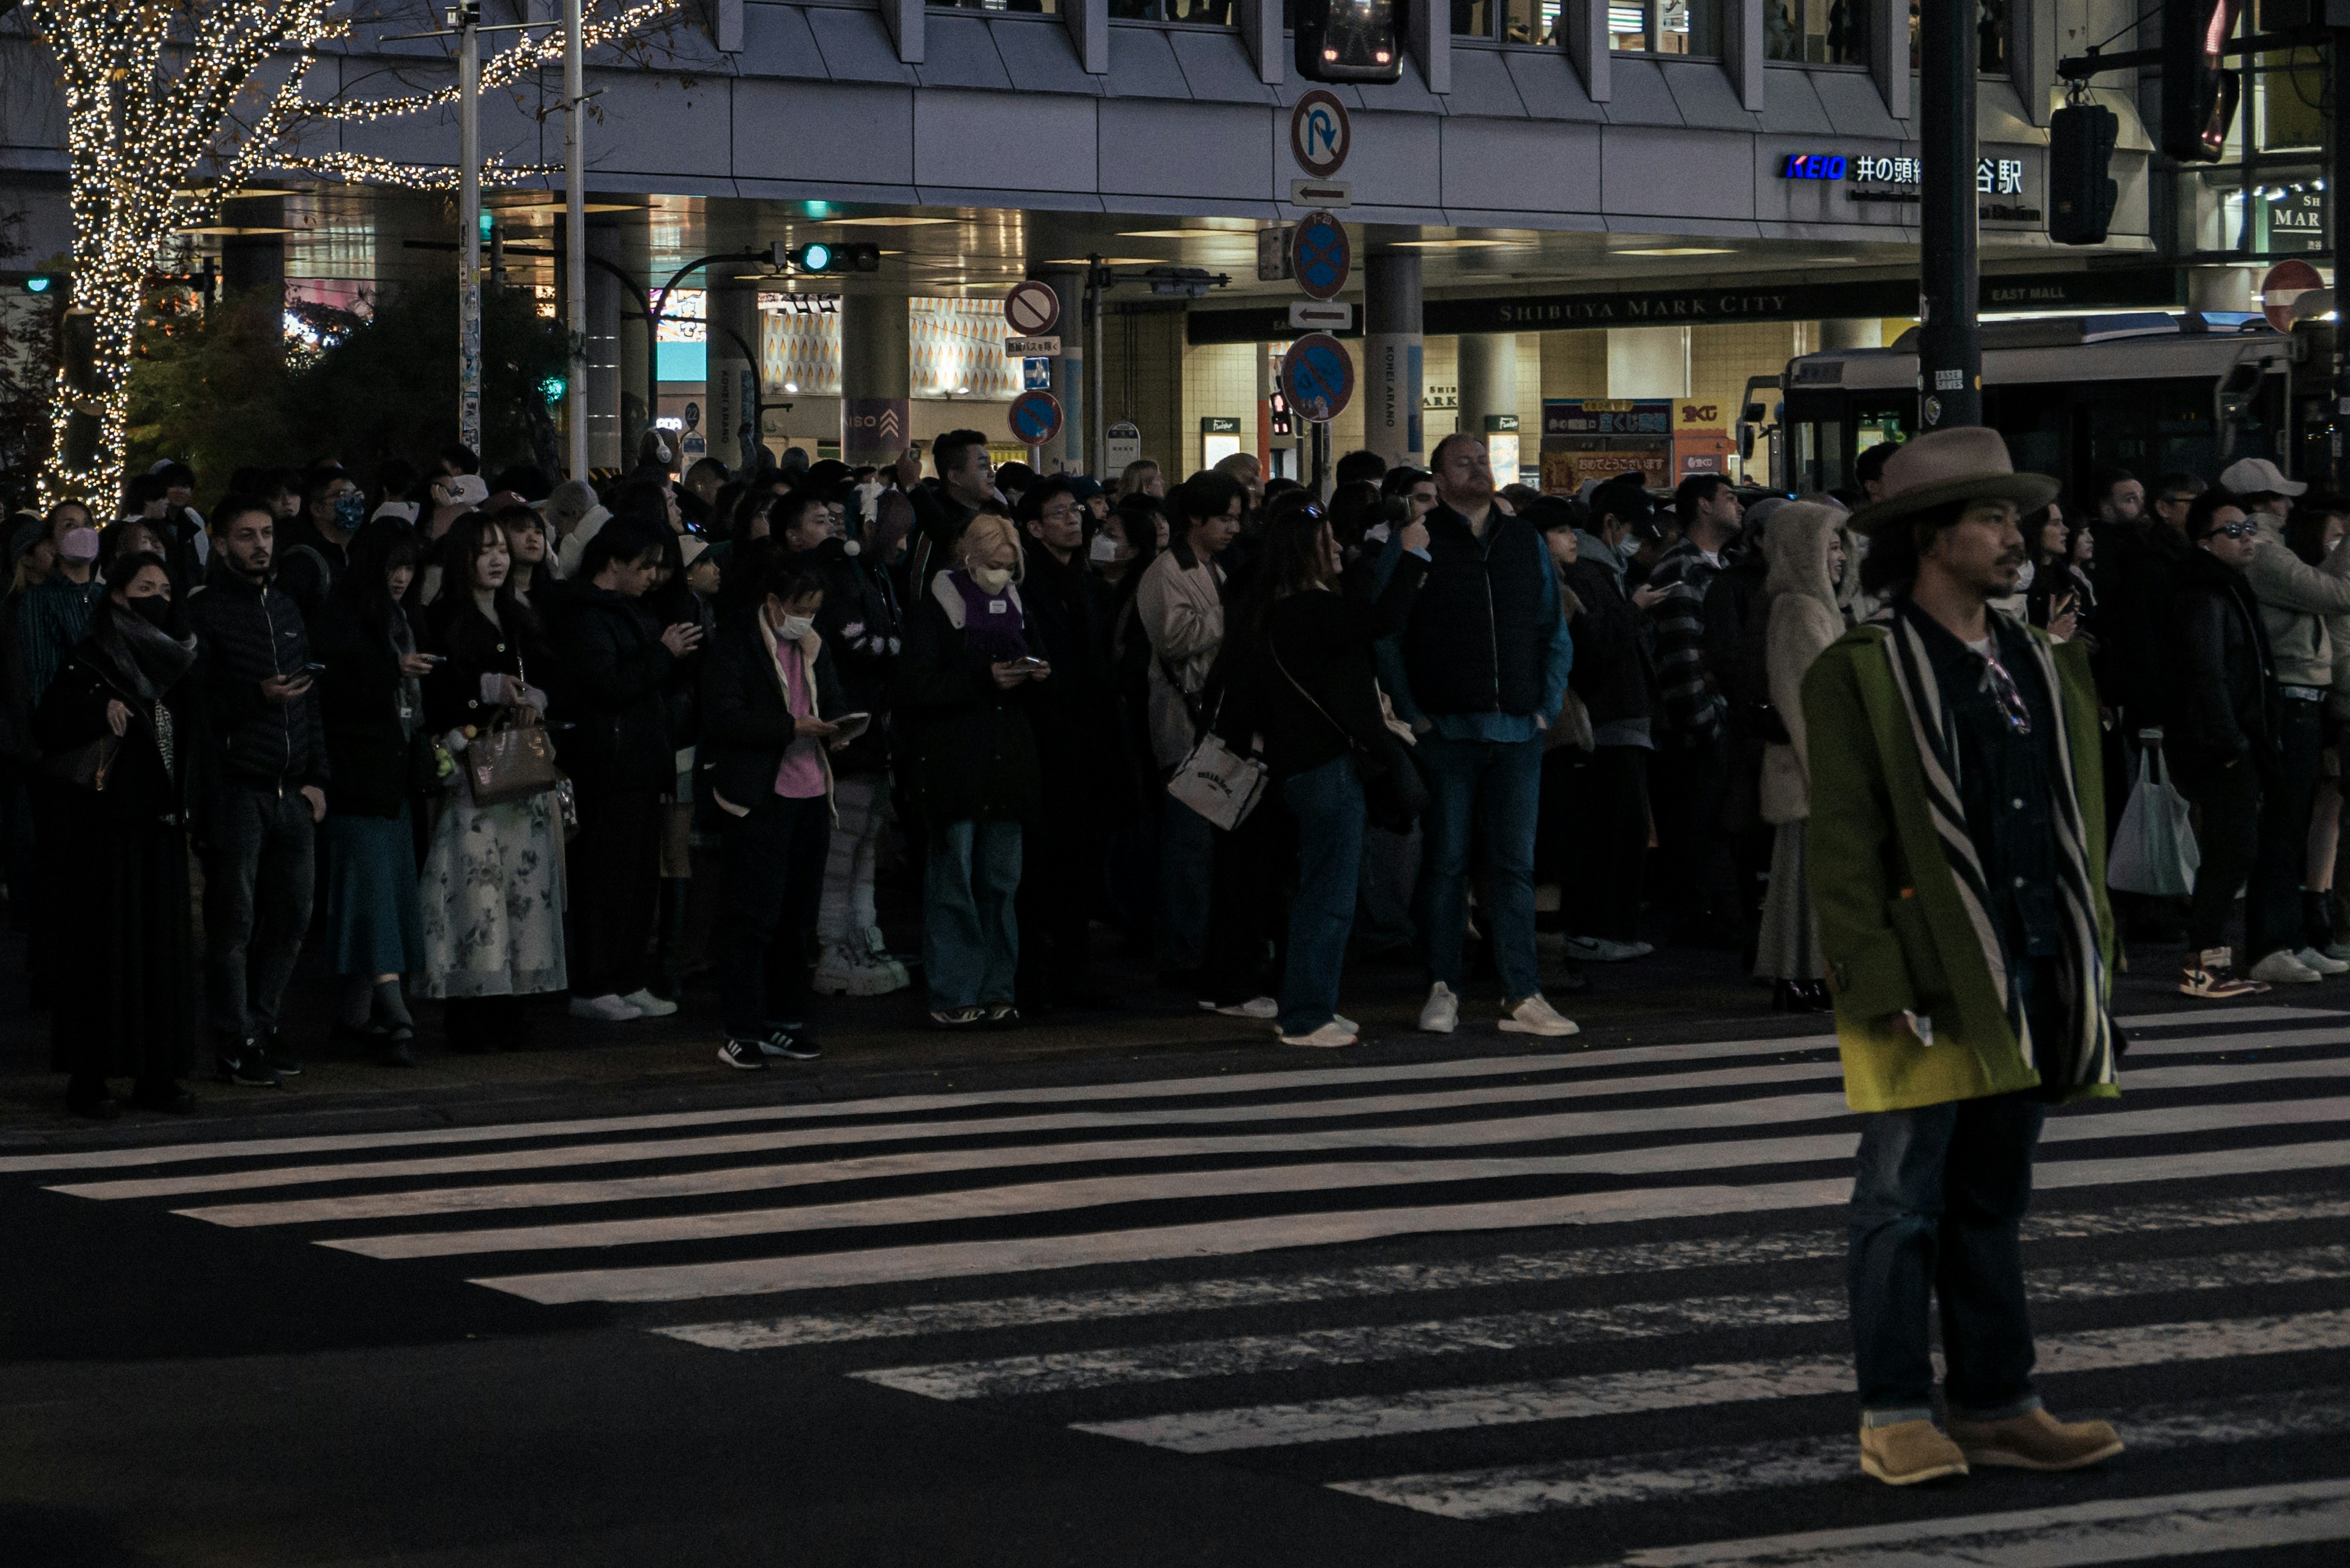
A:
(2286, 282)
(1032, 309)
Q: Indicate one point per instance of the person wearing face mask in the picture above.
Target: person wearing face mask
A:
(117, 725)
(54, 614)
(314, 545)
(770, 697)
(969, 673)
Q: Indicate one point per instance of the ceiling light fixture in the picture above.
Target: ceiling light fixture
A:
(883, 222)
(1181, 233)
(1447, 244)
(1679, 251)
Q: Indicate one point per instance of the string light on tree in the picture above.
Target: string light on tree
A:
(173, 110)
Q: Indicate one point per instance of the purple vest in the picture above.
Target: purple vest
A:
(991, 622)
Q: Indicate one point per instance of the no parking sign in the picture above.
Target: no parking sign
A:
(1318, 375)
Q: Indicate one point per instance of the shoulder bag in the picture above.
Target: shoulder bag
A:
(1394, 794)
(511, 759)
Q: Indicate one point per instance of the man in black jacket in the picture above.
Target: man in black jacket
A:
(270, 747)
(2223, 736)
(966, 481)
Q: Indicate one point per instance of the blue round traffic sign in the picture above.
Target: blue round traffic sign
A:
(1035, 418)
(1321, 257)
(1318, 375)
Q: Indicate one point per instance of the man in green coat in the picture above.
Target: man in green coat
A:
(1956, 857)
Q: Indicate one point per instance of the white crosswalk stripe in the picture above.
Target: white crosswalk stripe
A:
(1460, 1367)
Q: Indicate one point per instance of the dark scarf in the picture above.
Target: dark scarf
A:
(149, 661)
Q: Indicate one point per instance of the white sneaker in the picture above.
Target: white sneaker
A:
(2312, 959)
(649, 1005)
(1641, 949)
(1333, 1034)
(1347, 1024)
(852, 972)
(2281, 968)
(1600, 950)
(606, 1009)
(1441, 1014)
(1536, 1016)
(1261, 1008)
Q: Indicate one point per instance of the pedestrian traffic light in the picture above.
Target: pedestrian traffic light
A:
(40, 283)
(2081, 194)
(819, 257)
(1348, 41)
(2199, 89)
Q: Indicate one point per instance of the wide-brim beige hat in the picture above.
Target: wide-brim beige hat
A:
(1967, 463)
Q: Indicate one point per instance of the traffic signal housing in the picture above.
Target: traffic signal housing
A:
(2081, 192)
(2198, 91)
(1348, 41)
(826, 260)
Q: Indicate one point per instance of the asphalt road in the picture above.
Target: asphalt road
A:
(1147, 1291)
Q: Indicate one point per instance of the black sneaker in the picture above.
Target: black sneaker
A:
(743, 1053)
(247, 1067)
(784, 1042)
(282, 1062)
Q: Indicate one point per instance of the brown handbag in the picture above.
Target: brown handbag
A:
(511, 760)
(85, 766)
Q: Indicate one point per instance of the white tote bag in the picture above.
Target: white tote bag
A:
(2155, 851)
(1219, 783)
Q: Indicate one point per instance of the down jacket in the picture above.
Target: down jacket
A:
(1804, 618)
(2296, 599)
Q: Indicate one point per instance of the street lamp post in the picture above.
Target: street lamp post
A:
(574, 219)
(1949, 339)
(467, 19)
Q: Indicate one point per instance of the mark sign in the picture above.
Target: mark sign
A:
(1032, 308)
(1318, 375)
(1320, 133)
(1321, 257)
(1035, 418)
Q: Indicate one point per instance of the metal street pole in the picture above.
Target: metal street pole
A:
(2337, 195)
(469, 222)
(575, 218)
(1950, 341)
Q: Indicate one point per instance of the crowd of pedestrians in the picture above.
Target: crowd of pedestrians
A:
(489, 740)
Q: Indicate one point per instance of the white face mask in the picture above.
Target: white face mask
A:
(992, 578)
(1105, 548)
(796, 627)
(2025, 575)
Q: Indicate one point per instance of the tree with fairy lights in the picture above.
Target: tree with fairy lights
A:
(173, 106)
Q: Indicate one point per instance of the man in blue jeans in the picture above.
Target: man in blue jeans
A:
(1479, 672)
(270, 750)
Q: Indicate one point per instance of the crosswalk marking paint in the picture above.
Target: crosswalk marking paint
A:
(1379, 1280)
(948, 1260)
(1673, 1475)
(1086, 1192)
(2192, 1019)
(2122, 1530)
(1057, 1372)
(1682, 1387)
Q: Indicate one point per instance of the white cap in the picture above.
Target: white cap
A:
(466, 489)
(2258, 476)
(691, 546)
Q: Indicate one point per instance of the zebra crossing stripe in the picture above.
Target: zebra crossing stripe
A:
(1426, 1410)
(933, 1261)
(1061, 1372)
(1087, 1192)
(1675, 1475)
(2189, 1018)
(2129, 1530)
(1382, 1279)
(1440, 1134)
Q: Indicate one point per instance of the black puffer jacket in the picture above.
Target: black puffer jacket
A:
(1074, 715)
(614, 670)
(865, 635)
(247, 632)
(1479, 633)
(976, 759)
(1614, 671)
(360, 701)
(2223, 697)
(747, 720)
(2139, 565)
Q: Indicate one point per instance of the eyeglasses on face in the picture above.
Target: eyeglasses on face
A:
(2237, 530)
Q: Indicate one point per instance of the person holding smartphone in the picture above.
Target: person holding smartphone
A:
(269, 749)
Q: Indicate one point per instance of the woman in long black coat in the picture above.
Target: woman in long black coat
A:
(130, 1011)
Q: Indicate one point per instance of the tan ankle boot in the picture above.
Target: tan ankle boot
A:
(2036, 1440)
(1907, 1453)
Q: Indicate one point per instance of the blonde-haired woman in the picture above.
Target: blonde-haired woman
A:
(1803, 604)
(963, 681)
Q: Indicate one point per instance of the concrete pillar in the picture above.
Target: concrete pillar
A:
(253, 261)
(1388, 381)
(876, 410)
(1867, 332)
(1065, 453)
(730, 394)
(607, 301)
(1647, 363)
(1489, 381)
(636, 360)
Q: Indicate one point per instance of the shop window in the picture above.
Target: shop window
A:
(1991, 37)
(1215, 13)
(1509, 21)
(1816, 32)
(1030, 8)
(1665, 26)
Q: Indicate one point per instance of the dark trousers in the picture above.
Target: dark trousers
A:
(1606, 826)
(1060, 879)
(1689, 778)
(258, 891)
(615, 889)
(1245, 908)
(774, 887)
(2228, 816)
(2272, 903)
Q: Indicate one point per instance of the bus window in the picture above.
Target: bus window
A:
(1831, 463)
